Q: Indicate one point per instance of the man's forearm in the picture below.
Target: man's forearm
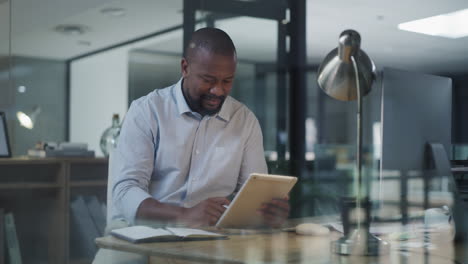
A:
(151, 209)
(205, 213)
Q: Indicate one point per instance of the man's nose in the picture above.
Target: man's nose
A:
(217, 90)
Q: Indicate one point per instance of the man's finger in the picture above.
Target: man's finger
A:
(280, 202)
(218, 207)
(274, 205)
(272, 218)
(213, 220)
(220, 200)
(214, 212)
(275, 212)
(273, 221)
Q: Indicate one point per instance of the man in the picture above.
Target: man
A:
(184, 149)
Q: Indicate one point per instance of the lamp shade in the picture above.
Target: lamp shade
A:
(27, 119)
(336, 75)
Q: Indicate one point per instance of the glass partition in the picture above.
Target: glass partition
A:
(260, 84)
(255, 83)
(71, 65)
(460, 152)
(6, 93)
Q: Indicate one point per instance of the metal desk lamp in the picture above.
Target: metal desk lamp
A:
(347, 74)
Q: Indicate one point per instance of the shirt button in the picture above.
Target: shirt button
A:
(198, 152)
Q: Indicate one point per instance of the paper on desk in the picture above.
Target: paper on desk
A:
(137, 234)
(140, 232)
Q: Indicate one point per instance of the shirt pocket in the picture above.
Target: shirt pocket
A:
(220, 158)
(219, 152)
(226, 164)
(222, 178)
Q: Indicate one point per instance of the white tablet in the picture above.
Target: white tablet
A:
(258, 189)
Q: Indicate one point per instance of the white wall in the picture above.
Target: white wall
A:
(98, 89)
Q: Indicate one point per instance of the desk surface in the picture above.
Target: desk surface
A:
(287, 247)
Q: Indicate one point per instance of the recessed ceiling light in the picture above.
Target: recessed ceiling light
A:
(22, 89)
(84, 43)
(114, 11)
(71, 29)
(451, 25)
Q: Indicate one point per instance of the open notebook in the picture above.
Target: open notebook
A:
(138, 234)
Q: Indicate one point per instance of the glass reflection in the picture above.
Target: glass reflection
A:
(80, 81)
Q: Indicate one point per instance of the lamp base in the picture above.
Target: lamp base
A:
(360, 242)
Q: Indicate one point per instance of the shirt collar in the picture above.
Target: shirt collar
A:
(183, 107)
(225, 109)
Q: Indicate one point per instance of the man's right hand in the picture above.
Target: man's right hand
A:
(206, 213)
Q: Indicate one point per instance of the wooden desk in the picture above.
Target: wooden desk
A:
(281, 247)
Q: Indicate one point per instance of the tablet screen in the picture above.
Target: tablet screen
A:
(258, 189)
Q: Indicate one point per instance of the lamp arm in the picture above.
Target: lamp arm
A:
(359, 139)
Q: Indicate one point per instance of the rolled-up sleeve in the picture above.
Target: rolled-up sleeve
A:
(133, 162)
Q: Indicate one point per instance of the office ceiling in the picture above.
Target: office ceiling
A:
(33, 34)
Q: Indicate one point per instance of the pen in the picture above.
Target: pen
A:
(169, 230)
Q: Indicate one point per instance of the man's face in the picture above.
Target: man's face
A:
(208, 80)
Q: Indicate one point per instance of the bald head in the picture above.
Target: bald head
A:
(212, 40)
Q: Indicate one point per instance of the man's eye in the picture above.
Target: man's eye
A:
(227, 81)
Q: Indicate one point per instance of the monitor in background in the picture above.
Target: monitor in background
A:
(416, 133)
(416, 141)
(416, 110)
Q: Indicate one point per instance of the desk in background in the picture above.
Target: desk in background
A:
(38, 192)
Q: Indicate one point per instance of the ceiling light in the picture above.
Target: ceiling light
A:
(114, 11)
(22, 89)
(451, 25)
(71, 29)
(84, 43)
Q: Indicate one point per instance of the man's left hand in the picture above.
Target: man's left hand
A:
(275, 212)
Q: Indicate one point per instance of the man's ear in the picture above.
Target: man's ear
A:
(184, 67)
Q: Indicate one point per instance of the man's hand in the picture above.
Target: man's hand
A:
(275, 212)
(206, 213)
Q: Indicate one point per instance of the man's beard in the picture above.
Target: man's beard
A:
(205, 111)
(198, 105)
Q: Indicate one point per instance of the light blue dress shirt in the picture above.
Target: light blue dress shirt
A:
(177, 156)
